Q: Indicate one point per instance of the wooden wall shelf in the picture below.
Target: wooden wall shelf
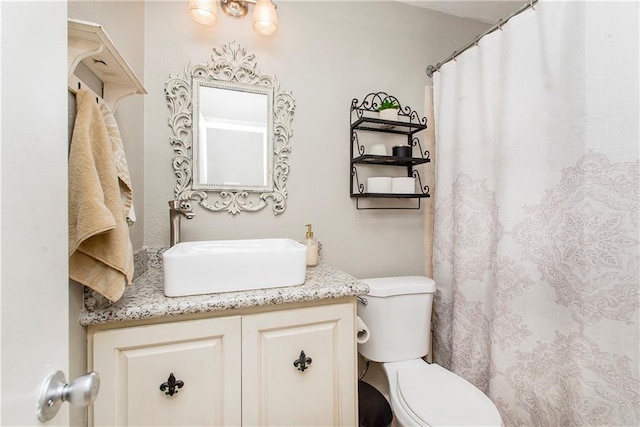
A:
(89, 44)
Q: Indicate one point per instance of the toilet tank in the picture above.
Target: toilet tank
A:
(398, 315)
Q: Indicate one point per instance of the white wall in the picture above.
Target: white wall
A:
(326, 53)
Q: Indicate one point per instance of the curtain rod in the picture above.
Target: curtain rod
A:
(432, 69)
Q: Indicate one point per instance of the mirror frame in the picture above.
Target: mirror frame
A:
(229, 65)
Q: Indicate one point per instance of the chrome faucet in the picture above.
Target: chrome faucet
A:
(177, 209)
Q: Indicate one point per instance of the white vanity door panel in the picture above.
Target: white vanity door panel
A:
(275, 392)
(134, 362)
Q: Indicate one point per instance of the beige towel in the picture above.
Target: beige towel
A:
(120, 158)
(100, 252)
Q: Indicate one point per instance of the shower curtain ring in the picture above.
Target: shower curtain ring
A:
(500, 22)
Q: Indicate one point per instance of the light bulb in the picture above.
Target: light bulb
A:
(265, 19)
(203, 11)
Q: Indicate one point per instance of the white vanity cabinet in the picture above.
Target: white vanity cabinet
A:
(299, 367)
(242, 369)
(133, 363)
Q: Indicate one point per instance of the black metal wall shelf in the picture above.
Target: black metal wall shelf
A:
(363, 118)
(391, 195)
(375, 124)
(372, 159)
(360, 196)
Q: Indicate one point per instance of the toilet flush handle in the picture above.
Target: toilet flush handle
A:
(362, 300)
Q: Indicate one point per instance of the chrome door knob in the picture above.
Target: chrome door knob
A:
(80, 392)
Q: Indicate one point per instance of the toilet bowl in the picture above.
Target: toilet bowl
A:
(424, 394)
(398, 316)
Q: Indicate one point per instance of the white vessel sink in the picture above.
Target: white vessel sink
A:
(194, 268)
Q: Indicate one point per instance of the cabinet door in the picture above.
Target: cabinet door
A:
(134, 362)
(275, 392)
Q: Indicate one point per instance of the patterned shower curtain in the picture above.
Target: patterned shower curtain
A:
(536, 215)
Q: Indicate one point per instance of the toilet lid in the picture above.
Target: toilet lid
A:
(436, 397)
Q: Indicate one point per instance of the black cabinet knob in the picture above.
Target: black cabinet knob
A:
(171, 386)
(302, 362)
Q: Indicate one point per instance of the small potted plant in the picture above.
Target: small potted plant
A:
(389, 109)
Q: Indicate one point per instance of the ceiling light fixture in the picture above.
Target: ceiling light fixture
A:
(265, 18)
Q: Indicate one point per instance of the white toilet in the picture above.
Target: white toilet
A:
(398, 315)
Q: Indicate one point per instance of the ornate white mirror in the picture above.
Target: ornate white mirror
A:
(231, 127)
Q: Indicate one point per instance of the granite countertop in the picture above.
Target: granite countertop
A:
(145, 299)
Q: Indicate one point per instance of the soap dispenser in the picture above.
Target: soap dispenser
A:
(312, 247)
